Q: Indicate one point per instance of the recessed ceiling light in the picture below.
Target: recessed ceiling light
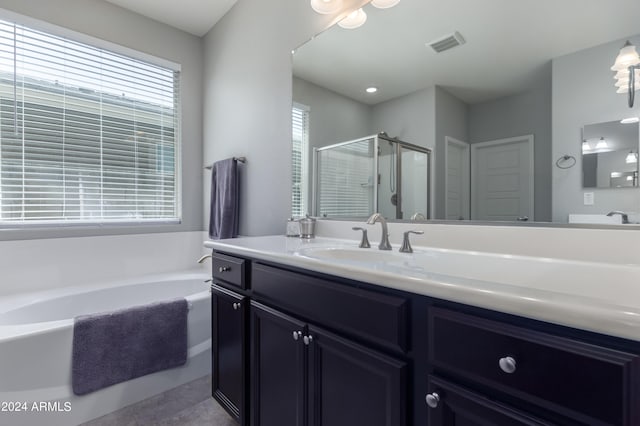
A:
(630, 120)
(372, 89)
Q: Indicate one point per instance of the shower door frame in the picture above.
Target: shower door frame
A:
(398, 151)
(399, 144)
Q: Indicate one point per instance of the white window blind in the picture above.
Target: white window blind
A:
(299, 158)
(86, 135)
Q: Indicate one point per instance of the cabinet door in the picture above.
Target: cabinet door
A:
(353, 385)
(228, 311)
(451, 405)
(278, 363)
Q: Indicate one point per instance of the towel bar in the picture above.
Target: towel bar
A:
(240, 159)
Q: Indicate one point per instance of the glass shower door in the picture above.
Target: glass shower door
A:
(344, 179)
(414, 184)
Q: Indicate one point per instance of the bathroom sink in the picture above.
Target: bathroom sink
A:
(371, 255)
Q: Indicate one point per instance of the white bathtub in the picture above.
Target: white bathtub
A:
(36, 332)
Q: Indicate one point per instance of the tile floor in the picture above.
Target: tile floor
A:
(187, 405)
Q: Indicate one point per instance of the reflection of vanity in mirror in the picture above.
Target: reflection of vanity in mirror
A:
(497, 111)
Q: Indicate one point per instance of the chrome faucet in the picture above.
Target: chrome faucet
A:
(384, 241)
(625, 218)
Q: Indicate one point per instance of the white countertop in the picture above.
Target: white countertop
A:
(594, 296)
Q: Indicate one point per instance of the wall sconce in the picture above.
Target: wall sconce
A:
(325, 7)
(632, 157)
(384, 4)
(585, 146)
(627, 69)
(602, 144)
(355, 19)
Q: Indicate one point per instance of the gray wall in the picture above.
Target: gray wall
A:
(451, 117)
(527, 113)
(114, 24)
(584, 93)
(247, 102)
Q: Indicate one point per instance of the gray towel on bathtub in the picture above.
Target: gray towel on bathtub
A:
(223, 218)
(110, 348)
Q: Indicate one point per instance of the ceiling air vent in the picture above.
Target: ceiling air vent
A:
(447, 42)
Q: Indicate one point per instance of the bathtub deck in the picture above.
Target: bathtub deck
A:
(187, 405)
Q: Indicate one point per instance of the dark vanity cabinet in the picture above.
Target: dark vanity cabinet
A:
(297, 348)
(303, 374)
(229, 329)
(559, 378)
(228, 324)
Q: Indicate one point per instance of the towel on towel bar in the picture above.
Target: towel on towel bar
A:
(110, 348)
(223, 218)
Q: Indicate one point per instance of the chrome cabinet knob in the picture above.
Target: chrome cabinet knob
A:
(307, 340)
(224, 269)
(433, 399)
(507, 364)
(297, 335)
(236, 306)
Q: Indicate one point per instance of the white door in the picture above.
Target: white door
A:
(502, 179)
(457, 179)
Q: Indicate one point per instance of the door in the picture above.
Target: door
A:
(228, 313)
(278, 383)
(452, 405)
(502, 179)
(353, 385)
(457, 179)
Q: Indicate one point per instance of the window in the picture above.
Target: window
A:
(299, 158)
(86, 135)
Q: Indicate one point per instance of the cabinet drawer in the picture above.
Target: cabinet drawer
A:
(585, 382)
(365, 314)
(229, 269)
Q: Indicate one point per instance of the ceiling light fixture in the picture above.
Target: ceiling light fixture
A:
(627, 68)
(602, 144)
(355, 19)
(371, 89)
(384, 4)
(630, 120)
(325, 7)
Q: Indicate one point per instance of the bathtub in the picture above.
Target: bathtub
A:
(36, 332)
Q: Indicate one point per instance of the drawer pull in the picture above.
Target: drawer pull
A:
(236, 306)
(507, 364)
(224, 269)
(297, 335)
(433, 399)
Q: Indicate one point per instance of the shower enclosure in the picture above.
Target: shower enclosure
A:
(376, 173)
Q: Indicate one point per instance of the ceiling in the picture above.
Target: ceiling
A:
(193, 16)
(508, 44)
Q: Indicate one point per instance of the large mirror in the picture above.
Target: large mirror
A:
(498, 91)
(610, 155)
